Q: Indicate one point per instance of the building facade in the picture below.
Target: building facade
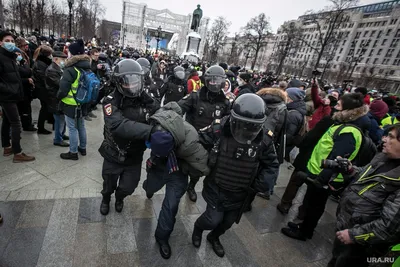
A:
(109, 31)
(366, 48)
(141, 24)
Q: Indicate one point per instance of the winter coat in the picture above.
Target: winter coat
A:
(295, 120)
(25, 73)
(39, 76)
(245, 89)
(375, 131)
(188, 147)
(321, 110)
(53, 77)
(226, 200)
(11, 88)
(369, 206)
(68, 78)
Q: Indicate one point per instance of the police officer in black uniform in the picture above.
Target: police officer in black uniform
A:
(148, 82)
(126, 129)
(124, 55)
(240, 166)
(204, 107)
(175, 88)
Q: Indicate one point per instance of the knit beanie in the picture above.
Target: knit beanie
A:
(77, 48)
(379, 108)
(295, 83)
(352, 101)
(296, 94)
(245, 77)
(45, 51)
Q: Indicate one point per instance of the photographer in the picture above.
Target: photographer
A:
(367, 216)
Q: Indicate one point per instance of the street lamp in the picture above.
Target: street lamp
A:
(158, 35)
(148, 39)
(70, 4)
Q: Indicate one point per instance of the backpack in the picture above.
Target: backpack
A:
(367, 150)
(88, 87)
(277, 136)
(302, 131)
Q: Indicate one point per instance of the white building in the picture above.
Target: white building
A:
(367, 48)
(140, 25)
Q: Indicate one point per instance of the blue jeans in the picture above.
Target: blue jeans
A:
(76, 128)
(59, 128)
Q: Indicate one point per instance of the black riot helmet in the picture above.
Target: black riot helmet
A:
(179, 73)
(102, 57)
(128, 76)
(125, 54)
(135, 55)
(215, 78)
(247, 118)
(146, 66)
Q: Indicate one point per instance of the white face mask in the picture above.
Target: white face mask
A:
(240, 82)
(69, 55)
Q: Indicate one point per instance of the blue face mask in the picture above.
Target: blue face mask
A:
(19, 58)
(9, 46)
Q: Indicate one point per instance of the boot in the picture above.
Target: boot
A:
(105, 206)
(197, 236)
(216, 245)
(82, 151)
(7, 151)
(30, 128)
(22, 157)
(1, 219)
(282, 209)
(91, 115)
(62, 144)
(149, 195)
(119, 205)
(65, 137)
(165, 248)
(69, 156)
(295, 233)
(87, 118)
(266, 195)
(191, 192)
(43, 131)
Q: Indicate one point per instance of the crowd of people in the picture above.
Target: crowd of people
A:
(233, 126)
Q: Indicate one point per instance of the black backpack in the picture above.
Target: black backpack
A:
(271, 134)
(367, 150)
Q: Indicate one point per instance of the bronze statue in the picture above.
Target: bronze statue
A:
(197, 15)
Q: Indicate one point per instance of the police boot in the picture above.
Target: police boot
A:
(165, 249)
(1, 219)
(197, 236)
(191, 192)
(105, 206)
(119, 205)
(216, 245)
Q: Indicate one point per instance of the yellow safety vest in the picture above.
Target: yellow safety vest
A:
(389, 120)
(325, 145)
(69, 99)
(196, 85)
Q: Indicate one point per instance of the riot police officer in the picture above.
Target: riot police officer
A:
(124, 55)
(126, 129)
(148, 82)
(240, 166)
(205, 106)
(175, 88)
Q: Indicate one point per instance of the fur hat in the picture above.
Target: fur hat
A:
(77, 48)
(352, 101)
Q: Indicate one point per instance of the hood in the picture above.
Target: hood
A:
(81, 61)
(357, 116)
(229, 89)
(272, 95)
(170, 118)
(230, 74)
(300, 106)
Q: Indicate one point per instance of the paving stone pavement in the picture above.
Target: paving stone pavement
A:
(51, 218)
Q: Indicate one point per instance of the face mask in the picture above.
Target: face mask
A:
(9, 46)
(240, 82)
(19, 58)
(62, 64)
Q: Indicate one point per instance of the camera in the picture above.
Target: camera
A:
(316, 73)
(340, 164)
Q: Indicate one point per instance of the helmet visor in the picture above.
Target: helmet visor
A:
(131, 85)
(215, 83)
(244, 132)
(180, 75)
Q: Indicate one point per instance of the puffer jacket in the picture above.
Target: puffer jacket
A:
(188, 147)
(295, 120)
(369, 206)
(11, 88)
(53, 77)
(39, 76)
(375, 131)
(68, 78)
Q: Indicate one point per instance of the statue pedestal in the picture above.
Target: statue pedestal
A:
(193, 46)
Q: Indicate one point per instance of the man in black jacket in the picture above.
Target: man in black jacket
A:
(205, 106)
(53, 77)
(240, 164)
(126, 129)
(175, 88)
(11, 92)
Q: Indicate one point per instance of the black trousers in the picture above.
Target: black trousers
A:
(348, 255)
(44, 115)
(217, 221)
(193, 181)
(176, 184)
(120, 179)
(11, 121)
(25, 112)
(314, 206)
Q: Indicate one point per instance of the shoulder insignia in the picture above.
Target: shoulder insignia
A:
(108, 109)
(270, 133)
(186, 96)
(217, 121)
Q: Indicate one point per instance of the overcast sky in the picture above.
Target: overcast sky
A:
(236, 11)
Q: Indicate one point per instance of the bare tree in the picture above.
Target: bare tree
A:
(218, 35)
(257, 30)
